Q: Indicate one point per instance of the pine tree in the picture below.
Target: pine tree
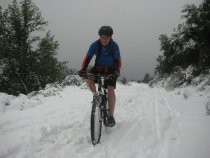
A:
(124, 80)
(25, 65)
(198, 22)
(147, 78)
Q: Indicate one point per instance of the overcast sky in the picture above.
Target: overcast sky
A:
(137, 24)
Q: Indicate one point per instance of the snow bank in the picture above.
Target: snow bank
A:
(21, 102)
(10, 103)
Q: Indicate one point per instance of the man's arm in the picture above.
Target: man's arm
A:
(89, 56)
(117, 58)
(86, 62)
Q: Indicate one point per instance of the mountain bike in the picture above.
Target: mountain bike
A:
(99, 111)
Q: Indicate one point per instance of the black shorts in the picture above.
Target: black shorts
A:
(109, 82)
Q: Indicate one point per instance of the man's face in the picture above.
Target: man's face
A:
(105, 40)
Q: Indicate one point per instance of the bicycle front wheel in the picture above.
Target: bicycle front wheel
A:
(96, 123)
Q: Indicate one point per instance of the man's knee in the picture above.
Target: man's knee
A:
(89, 82)
(110, 89)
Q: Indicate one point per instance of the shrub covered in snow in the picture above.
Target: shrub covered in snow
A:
(74, 80)
(181, 78)
(49, 90)
(54, 89)
(208, 108)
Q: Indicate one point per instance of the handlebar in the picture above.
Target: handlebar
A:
(102, 76)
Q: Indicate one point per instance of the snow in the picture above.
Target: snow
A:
(151, 123)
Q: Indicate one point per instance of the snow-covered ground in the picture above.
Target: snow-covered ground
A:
(151, 123)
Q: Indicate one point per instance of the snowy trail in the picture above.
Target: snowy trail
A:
(60, 126)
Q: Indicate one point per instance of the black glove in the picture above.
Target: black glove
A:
(116, 74)
(82, 73)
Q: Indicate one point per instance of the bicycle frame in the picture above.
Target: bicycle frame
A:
(101, 79)
(100, 84)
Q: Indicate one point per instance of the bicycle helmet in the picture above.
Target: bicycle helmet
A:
(105, 30)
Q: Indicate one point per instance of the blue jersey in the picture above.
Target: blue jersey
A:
(107, 55)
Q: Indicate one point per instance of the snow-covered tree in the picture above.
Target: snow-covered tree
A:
(190, 42)
(27, 61)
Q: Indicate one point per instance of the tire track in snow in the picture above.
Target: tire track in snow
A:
(157, 119)
(167, 123)
(144, 130)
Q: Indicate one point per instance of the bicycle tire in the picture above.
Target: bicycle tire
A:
(96, 122)
(105, 110)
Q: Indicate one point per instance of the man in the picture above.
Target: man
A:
(108, 61)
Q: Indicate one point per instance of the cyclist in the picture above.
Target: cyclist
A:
(107, 61)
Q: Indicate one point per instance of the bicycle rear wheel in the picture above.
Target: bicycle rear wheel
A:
(96, 122)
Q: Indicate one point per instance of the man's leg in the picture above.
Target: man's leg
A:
(91, 85)
(111, 100)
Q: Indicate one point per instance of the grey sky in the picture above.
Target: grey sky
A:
(137, 25)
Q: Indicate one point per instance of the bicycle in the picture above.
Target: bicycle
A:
(99, 111)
